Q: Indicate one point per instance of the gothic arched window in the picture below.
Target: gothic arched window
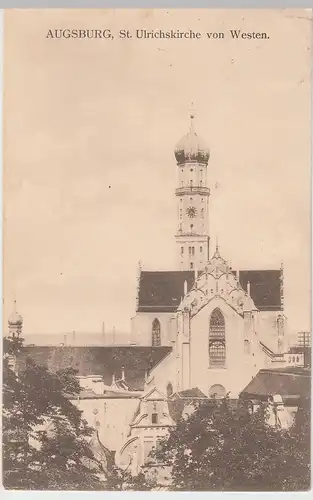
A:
(156, 333)
(217, 348)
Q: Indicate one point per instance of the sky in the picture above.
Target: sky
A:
(90, 127)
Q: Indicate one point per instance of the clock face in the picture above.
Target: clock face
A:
(191, 212)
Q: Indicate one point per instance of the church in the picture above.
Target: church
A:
(222, 325)
(202, 330)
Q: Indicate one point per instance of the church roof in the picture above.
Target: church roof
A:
(161, 291)
(103, 361)
(292, 381)
(264, 288)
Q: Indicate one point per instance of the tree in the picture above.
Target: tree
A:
(45, 439)
(122, 480)
(225, 448)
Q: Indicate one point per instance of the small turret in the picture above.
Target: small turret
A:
(15, 323)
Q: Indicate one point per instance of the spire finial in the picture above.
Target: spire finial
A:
(217, 250)
(192, 116)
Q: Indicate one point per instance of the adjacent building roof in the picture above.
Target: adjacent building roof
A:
(162, 291)
(103, 361)
(193, 393)
(292, 381)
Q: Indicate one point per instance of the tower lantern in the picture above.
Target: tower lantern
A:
(192, 236)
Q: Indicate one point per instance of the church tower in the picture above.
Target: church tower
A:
(192, 237)
(15, 323)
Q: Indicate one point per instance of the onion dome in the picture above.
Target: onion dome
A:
(15, 319)
(191, 148)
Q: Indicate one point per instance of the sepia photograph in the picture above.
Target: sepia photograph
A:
(157, 250)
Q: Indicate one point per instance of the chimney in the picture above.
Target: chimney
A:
(113, 379)
(113, 334)
(123, 373)
(185, 287)
(248, 288)
(74, 337)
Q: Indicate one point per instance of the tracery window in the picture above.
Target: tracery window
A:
(217, 348)
(156, 333)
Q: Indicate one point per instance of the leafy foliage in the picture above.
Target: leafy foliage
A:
(222, 448)
(45, 440)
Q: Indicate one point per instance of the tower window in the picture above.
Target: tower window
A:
(202, 200)
(246, 347)
(200, 183)
(202, 213)
(180, 213)
(154, 418)
(217, 349)
(156, 333)
(193, 250)
(182, 250)
(191, 227)
(191, 183)
(181, 200)
(189, 250)
(191, 265)
(191, 199)
(201, 249)
(191, 170)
